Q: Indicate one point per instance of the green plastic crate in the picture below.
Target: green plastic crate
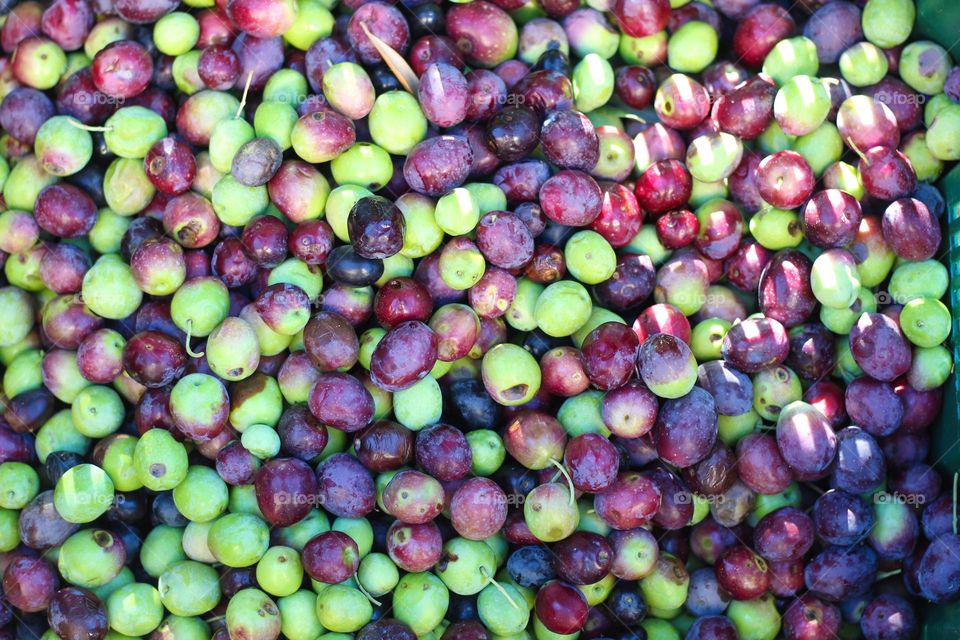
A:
(939, 20)
(945, 444)
(942, 622)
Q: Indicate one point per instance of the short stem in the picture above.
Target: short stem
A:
(86, 127)
(243, 98)
(190, 351)
(563, 470)
(498, 587)
(887, 574)
(813, 487)
(857, 151)
(360, 588)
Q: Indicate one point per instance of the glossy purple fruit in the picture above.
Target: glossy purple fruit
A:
(785, 294)
(286, 490)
